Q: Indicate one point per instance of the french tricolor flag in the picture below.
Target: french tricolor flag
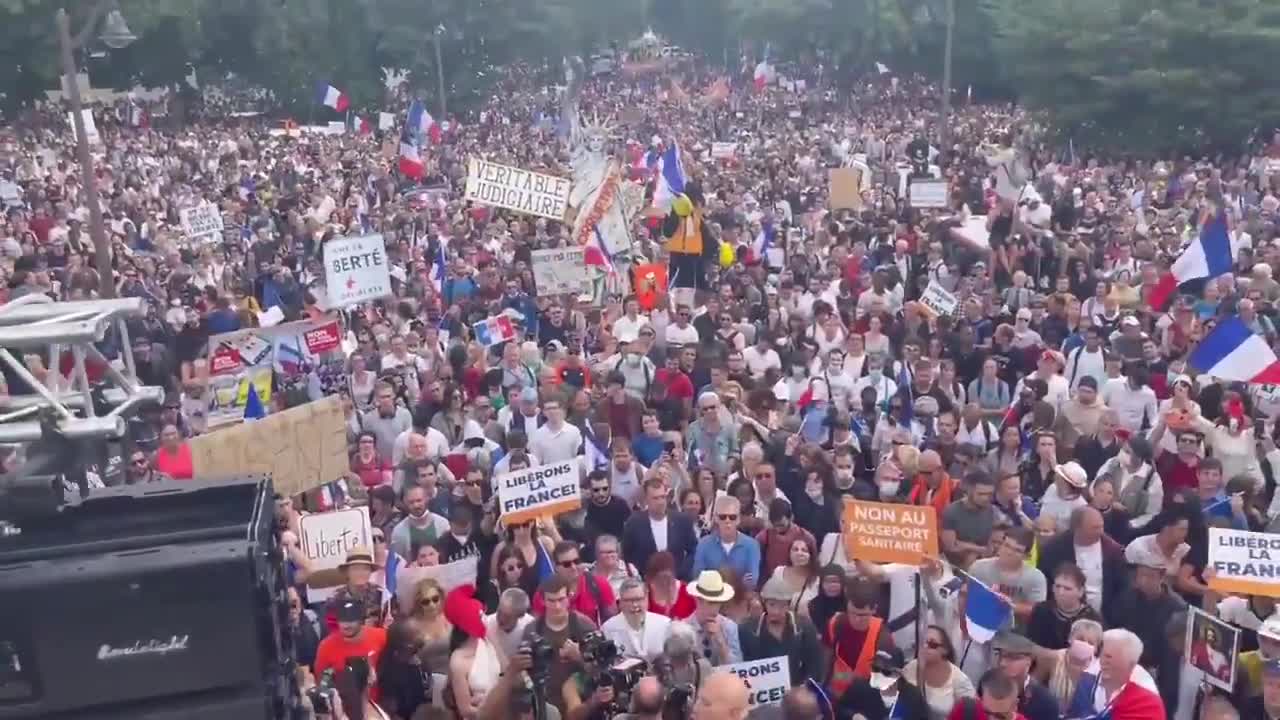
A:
(985, 612)
(1234, 352)
(670, 178)
(361, 125)
(411, 164)
(1208, 256)
(331, 96)
(764, 71)
(496, 329)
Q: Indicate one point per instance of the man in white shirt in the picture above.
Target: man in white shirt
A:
(505, 628)
(682, 332)
(557, 440)
(1088, 360)
(631, 321)
(761, 356)
(637, 632)
(1132, 400)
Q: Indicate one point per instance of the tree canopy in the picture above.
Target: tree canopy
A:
(1141, 74)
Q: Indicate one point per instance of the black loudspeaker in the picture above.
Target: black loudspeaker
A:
(164, 600)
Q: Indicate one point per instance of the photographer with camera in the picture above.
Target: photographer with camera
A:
(562, 630)
(513, 697)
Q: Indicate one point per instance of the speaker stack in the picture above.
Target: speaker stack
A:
(148, 602)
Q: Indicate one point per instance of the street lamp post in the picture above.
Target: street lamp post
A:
(440, 73)
(119, 37)
(945, 133)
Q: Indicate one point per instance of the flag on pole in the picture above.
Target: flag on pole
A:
(985, 612)
(361, 125)
(764, 240)
(330, 96)
(670, 178)
(764, 71)
(411, 163)
(438, 270)
(1234, 352)
(1208, 256)
(882, 68)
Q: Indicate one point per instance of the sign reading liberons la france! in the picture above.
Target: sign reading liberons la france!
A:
(514, 189)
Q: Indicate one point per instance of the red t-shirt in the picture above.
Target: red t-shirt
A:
(584, 600)
(682, 608)
(678, 384)
(334, 649)
(958, 713)
(178, 467)
(1175, 474)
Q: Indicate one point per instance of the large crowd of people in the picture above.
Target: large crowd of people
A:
(1075, 461)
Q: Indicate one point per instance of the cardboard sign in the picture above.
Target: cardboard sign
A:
(201, 224)
(356, 270)
(1244, 562)
(326, 538)
(450, 576)
(539, 491)
(929, 193)
(724, 150)
(845, 188)
(889, 532)
(302, 448)
(938, 301)
(559, 271)
(515, 189)
(767, 680)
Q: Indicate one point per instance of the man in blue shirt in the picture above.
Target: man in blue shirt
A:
(1214, 501)
(727, 546)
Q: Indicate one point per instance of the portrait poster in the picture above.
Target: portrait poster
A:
(1212, 647)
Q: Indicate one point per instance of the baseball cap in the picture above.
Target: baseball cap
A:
(1088, 381)
(351, 610)
(1011, 643)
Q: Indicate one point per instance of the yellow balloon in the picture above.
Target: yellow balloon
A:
(682, 205)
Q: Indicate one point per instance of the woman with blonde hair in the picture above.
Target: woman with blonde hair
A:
(1060, 670)
(428, 611)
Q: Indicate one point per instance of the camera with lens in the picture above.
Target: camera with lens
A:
(541, 653)
(602, 657)
(322, 692)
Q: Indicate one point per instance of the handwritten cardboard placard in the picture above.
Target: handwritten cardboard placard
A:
(302, 448)
(889, 532)
(326, 538)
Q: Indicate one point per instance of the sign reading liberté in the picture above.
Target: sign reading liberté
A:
(325, 540)
(541, 491)
(767, 680)
(1244, 562)
(889, 533)
(514, 189)
(557, 271)
(201, 224)
(356, 270)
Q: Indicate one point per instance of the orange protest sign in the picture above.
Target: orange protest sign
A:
(888, 532)
(650, 283)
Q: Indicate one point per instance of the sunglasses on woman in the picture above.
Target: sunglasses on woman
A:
(429, 600)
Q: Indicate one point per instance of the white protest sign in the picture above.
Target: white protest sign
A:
(356, 270)
(1244, 562)
(515, 189)
(540, 491)
(724, 150)
(325, 539)
(767, 680)
(90, 129)
(938, 300)
(450, 575)
(928, 193)
(560, 270)
(201, 224)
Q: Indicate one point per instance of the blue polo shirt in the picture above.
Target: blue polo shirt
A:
(743, 556)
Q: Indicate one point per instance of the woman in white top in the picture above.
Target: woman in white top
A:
(362, 381)
(830, 336)
(1182, 400)
(855, 355)
(474, 667)
(874, 341)
(801, 574)
(936, 674)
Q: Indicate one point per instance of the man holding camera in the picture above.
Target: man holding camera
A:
(563, 629)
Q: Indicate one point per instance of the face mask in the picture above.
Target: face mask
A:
(797, 371)
(844, 475)
(875, 374)
(814, 492)
(889, 488)
(634, 359)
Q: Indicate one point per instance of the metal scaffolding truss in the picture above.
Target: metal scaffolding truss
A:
(35, 322)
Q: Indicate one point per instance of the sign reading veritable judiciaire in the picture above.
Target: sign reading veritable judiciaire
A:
(515, 189)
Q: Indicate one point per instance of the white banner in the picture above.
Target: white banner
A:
(928, 193)
(767, 680)
(539, 491)
(386, 121)
(515, 189)
(938, 300)
(450, 575)
(356, 270)
(90, 129)
(724, 150)
(1244, 562)
(202, 224)
(559, 271)
(326, 539)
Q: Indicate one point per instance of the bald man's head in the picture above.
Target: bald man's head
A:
(800, 704)
(647, 696)
(723, 697)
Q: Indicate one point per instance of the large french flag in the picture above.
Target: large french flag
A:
(764, 71)
(1207, 257)
(331, 96)
(1233, 352)
(411, 164)
(670, 178)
